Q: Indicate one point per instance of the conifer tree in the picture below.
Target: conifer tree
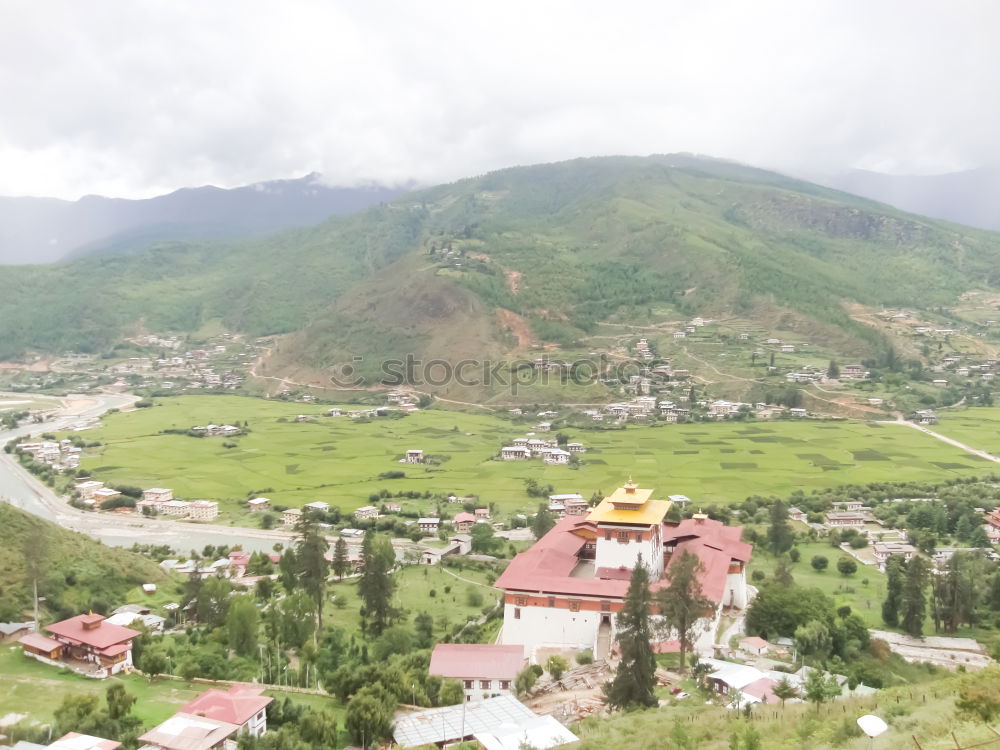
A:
(682, 603)
(915, 596)
(312, 569)
(895, 569)
(635, 677)
(779, 533)
(340, 562)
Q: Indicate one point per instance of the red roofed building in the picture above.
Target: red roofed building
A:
(463, 522)
(104, 648)
(566, 590)
(242, 705)
(485, 670)
(77, 741)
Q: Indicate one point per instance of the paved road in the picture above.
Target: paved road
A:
(21, 489)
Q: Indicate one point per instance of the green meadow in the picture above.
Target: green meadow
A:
(339, 460)
(977, 428)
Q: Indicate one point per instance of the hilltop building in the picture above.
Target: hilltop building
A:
(566, 590)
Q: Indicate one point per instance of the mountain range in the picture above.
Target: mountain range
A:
(517, 261)
(44, 230)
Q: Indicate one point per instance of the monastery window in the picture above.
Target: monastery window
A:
(605, 606)
(468, 684)
(517, 613)
(638, 536)
(484, 684)
(552, 601)
(574, 605)
(607, 535)
(623, 537)
(505, 684)
(521, 601)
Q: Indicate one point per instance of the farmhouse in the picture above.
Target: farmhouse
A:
(393, 507)
(414, 457)
(571, 504)
(242, 705)
(514, 452)
(566, 590)
(853, 372)
(429, 525)
(845, 519)
(754, 645)
(86, 641)
(555, 456)
(157, 495)
(258, 504)
(882, 551)
(173, 508)
(291, 516)
(77, 741)
(463, 522)
(482, 514)
(795, 514)
(485, 670)
(366, 512)
(575, 447)
(203, 510)
(187, 732)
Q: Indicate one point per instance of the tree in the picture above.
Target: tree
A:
(915, 596)
(525, 680)
(635, 677)
(288, 569)
(376, 585)
(312, 569)
(783, 573)
(785, 690)
(153, 662)
(120, 702)
(483, 540)
(846, 566)
(451, 692)
(818, 689)
(543, 521)
(794, 554)
(423, 624)
(318, 729)
(368, 718)
(682, 604)
(555, 666)
(779, 533)
(340, 563)
(242, 624)
(819, 563)
(833, 370)
(813, 639)
(895, 570)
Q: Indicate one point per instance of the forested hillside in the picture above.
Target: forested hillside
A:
(521, 257)
(74, 572)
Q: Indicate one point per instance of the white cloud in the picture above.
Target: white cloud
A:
(137, 98)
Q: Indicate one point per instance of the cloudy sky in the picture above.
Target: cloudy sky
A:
(138, 97)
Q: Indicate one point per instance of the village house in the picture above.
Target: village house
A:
(11, 631)
(849, 505)
(556, 456)
(99, 648)
(291, 516)
(258, 504)
(514, 452)
(414, 457)
(77, 741)
(242, 705)
(575, 447)
(203, 510)
(680, 334)
(316, 506)
(845, 519)
(795, 514)
(853, 372)
(174, 508)
(754, 645)
(744, 337)
(393, 507)
(463, 522)
(429, 525)
(788, 348)
(187, 732)
(366, 512)
(157, 495)
(882, 551)
(543, 426)
(566, 590)
(482, 514)
(104, 494)
(485, 670)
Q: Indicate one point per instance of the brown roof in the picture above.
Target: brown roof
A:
(237, 705)
(39, 641)
(101, 636)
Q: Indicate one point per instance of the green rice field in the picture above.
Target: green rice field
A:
(339, 460)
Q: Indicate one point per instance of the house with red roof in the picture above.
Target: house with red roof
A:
(463, 522)
(242, 705)
(86, 642)
(485, 670)
(567, 589)
(77, 741)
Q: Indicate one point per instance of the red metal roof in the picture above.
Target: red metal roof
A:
(754, 641)
(763, 689)
(465, 518)
(102, 636)
(475, 661)
(237, 705)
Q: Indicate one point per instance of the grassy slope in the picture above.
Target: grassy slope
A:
(593, 239)
(102, 574)
(338, 460)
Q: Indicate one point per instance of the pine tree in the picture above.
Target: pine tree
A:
(635, 677)
(312, 569)
(377, 585)
(779, 533)
(915, 596)
(895, 569)
(340, 563)
(682, 603)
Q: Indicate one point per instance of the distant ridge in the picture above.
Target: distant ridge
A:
(43, 230)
